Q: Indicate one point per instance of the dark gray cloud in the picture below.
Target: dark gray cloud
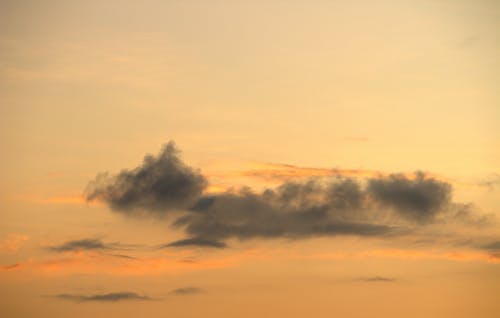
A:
(187, 291)
(293, 210)
(376, 279)
(419, 199)
(246, 216)
(381, 206)
(160, 184)
(111, 297)
(196, 241)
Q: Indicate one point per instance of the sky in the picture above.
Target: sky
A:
(250, 158)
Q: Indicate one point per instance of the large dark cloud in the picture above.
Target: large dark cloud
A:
(111, 297)
(160, 184)
(338, 207)
(382, 206)
(293, 210)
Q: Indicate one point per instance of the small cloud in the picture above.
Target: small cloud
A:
(376, 279)
(196, 241)
(493, 246)
(187, 291)
(123, 256)
(78, 245)
(86, 244)
(188, 261)
(491, 182)
(111, 297)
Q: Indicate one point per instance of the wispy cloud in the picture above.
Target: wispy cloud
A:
(286, 172)
(110, 297)
(200, 242)
(187, 291)
(180, 261)
(177, 261)
(491, 182)
(376, 279)
(492, 246)
(88, 244)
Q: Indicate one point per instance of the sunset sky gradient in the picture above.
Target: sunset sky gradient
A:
(250, 158)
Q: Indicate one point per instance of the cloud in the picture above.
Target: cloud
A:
(187, 291)
(376, 279)
(273, 215)
(293, 210)
(85, 244)
(326, 205)
(491, 182)
(111, 297)
(160, 184)
(196, 241)
(493, 246)
(419, 199)
(123, 256)
(272, 172)
(171, 262)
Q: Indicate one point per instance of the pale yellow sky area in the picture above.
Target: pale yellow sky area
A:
(256, 95)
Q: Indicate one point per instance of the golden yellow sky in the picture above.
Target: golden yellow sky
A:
(319, 102)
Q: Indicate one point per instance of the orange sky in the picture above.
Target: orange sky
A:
(335, 158)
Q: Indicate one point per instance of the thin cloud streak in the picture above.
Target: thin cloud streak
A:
(187, 291)
(376, 279)
(177, 263)
(200, 242)
(10, 267)
(88, 244)
(110, 297)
